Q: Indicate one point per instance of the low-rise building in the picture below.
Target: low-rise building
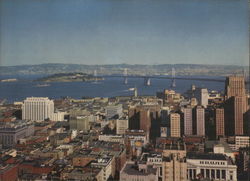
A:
(11, 132)
(132, 171)
(211, 166)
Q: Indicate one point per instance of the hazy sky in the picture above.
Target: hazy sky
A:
(124, 31)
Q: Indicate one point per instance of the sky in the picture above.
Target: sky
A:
(124, 31)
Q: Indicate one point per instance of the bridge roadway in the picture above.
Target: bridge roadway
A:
(166, 77)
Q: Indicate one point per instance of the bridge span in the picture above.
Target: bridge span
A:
(166, 77)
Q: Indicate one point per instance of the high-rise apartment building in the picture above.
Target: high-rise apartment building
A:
(175, 127)
(199, 121)
(37, 108)
(219, 122)
(188, 121)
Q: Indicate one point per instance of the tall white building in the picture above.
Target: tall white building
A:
(37, 108)
(201, 94)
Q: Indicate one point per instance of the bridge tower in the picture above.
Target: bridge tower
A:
(135, 92)
(173, 78)
(125, 74)
(95, 75)
(147, 81)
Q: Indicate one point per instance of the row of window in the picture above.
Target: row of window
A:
(212, 162)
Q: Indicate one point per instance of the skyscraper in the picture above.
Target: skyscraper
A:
(219, 121)
(188, 121)
(147, 118)
(235, 86)
(235, 105)
(201, 94)
(199, 121)
(37, 108)
(175, 127)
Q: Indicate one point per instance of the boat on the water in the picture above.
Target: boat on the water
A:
(42, 85)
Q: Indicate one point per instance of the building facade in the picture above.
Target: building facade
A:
(174, 166)
(188, 121)
(114, 110)
(175, 127)
(37, 108)
(10, 134)
(236, 105)
(235, 86)
(219, 122)
(199, 115)
(121, 126)
(211, 166)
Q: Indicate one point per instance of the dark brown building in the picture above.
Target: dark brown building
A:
(147, 118)
(235, 105)
(219, 122)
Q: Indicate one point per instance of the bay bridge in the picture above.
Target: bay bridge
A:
(147, 78)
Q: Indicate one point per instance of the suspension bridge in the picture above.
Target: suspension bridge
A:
(147, 78)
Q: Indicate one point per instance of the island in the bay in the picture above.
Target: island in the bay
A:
(70, 77)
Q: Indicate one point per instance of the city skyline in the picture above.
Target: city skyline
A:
(132, 32)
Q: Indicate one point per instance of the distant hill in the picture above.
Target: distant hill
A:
(161, 69)
(69, 77)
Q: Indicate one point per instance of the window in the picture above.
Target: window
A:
(212, 173)
(194, 173)
(217, 173)
(223, 174)
(202, 172)
(190, 173)
(207, 173)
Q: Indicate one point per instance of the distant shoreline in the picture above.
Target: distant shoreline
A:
(136, 69)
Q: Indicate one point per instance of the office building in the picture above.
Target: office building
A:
(210, 166)
(81, 123)
(37, 108)
(147, 118)
(174, 166)
(236, 105)
(235, 86)
(219, 122)
(199, 121)
(114, 111)
(121, 126)
(175, 127)
(132, 171)
(242, 142)
(12, 132)
(235, 108)
(201, 94)
(188, 121)
(58, 116)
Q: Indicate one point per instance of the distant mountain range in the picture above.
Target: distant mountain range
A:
(137, 69)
